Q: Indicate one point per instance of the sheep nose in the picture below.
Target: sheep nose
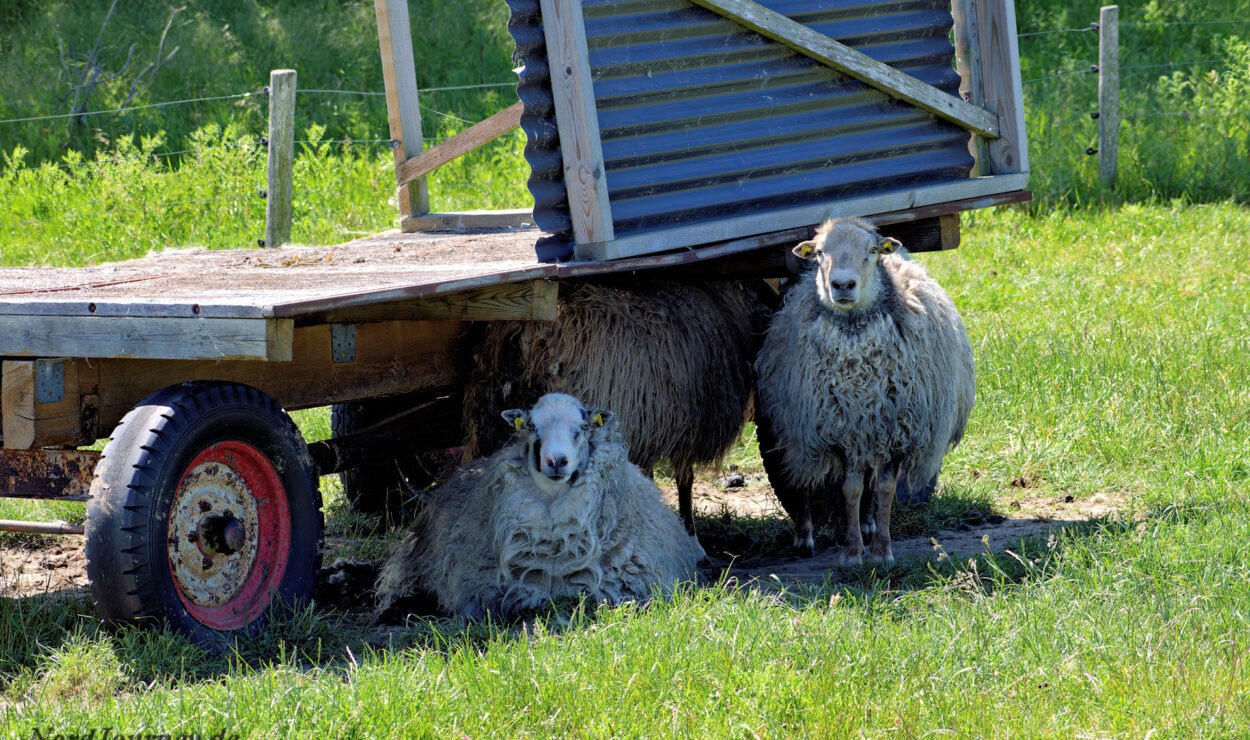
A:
(557, 463)
(839, 285)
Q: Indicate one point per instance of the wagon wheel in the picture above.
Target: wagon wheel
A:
(204, 513)
(383, 489)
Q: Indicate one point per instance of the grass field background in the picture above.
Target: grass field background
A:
(1112, 335)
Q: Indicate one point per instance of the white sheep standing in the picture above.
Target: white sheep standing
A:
(865, 379)
(558, 512)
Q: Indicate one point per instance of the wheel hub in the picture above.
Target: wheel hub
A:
(212, 534)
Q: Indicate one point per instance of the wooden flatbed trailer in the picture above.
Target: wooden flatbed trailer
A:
(203, 508)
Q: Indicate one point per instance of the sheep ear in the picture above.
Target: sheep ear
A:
(805, 250)
(888, 244)
(515, 417)
(599, 417)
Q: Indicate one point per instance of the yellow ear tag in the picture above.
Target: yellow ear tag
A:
(886, 246)
(518, 422)
(597, 419)
(806, 249)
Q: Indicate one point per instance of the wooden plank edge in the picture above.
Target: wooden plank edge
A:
(532, 300)
(305, 308)
(463, 221)
(136, 308)
(738, 246)
(145, 338)
(481, 133)
(883, 77)
(901, 200)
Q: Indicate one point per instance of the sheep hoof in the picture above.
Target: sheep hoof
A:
(852, 559)
(868, 528)
(805, 547)
(886, 558)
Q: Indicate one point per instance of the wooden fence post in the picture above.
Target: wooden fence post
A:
(281, 157)
(1108, 93)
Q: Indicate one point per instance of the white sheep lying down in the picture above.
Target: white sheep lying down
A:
(558, 512)
(676, 355)
(865, 379)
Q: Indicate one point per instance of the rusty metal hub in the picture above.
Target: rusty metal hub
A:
(210, 551)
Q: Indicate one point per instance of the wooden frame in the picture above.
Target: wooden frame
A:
(98, 393)
(412, 161)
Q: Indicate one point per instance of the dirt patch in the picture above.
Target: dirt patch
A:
(53, 564)
(780, 567)
(43, 566)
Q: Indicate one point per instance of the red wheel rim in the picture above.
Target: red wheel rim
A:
(227, 587)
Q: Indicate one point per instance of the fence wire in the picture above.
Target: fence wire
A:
(1086, 30)
(130, 108)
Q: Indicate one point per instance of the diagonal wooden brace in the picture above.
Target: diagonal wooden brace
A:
(800, 38)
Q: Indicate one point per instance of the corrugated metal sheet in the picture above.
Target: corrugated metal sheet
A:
(701, 118)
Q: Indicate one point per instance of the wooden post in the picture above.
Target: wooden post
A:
(281, 157)
(1108, 93)
(971, 84)
(399, 74)
(999, 62)
(578, 122)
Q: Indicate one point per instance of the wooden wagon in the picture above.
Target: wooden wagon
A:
(697, 140)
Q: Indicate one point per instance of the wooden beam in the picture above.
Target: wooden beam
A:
(925, 234)
(971, 84)
(480, 133)
(578, 121)
(29, 422)
(149, 338)
(1002, 90)
(392, 357)
(883, 77)
(771, 221)
(471, 220)
(403, 112)
(534, 300)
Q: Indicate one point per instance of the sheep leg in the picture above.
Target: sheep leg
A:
(804, 532)
(853, 548)
(685, 496)
(887, 483)
(867, 509)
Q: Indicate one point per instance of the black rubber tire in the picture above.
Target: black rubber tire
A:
(175, 446)
(384, 489)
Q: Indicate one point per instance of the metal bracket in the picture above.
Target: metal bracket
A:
(343, 342)
(49, 381)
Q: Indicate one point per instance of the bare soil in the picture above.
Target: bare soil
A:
(54, 564)
(779, 567)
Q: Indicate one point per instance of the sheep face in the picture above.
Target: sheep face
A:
(845, 252)
(557, 435)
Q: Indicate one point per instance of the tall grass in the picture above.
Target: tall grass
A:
(228, 48)
(1185, 131)
(126, 201)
